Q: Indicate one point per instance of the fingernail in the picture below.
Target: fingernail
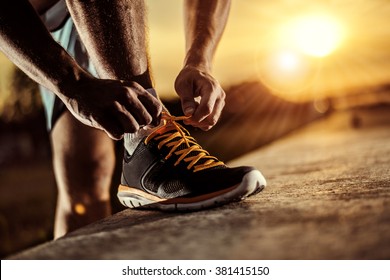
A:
(189, 111)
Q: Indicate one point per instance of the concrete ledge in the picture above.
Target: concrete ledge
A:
(328, 198)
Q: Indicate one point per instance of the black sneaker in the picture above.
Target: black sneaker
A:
(170, 171)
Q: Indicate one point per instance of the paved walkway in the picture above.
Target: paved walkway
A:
(328, 198)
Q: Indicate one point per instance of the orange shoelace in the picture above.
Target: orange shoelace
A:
(173, 135)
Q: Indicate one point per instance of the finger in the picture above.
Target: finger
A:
(114, 136)
(128, 122)
(206, 105)
(113, 129)
(141, 114)
(188, 103)
(216, 114)
(138, 95)
(152, 105)
(212, 119)
(135, 108)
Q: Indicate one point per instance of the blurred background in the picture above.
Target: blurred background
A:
(282, 63)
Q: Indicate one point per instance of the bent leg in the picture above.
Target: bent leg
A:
(114, 33)
(84, 161)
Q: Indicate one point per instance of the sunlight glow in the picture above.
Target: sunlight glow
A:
(286, 70)
(294, 62)
(287, 61)
(315, 35)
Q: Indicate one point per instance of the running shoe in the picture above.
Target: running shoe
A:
(170, 171)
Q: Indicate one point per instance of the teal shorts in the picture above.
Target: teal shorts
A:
(66, 35)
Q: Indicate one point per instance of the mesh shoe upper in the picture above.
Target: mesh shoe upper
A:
(169, 163)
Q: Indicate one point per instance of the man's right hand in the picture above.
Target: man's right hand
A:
(117, 107)
(113, 106)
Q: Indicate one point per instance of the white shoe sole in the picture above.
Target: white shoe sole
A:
(253, 182)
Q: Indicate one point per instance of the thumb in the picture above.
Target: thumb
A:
(184, 88)
(114, 135)
(188, 106)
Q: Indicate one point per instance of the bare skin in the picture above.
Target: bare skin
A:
(204, 24)
(117, 102)
(83, 161)
(114, 106)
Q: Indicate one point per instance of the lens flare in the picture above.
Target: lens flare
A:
(286, 70)
(287, 61)
(316, 35)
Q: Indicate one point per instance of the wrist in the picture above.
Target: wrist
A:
(197, 60)
(71, 78)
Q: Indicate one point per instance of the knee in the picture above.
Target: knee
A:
(83, 159)
(97, 172)
(90, 174)
(85, 173)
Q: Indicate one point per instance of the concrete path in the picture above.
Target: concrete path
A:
(328, 198)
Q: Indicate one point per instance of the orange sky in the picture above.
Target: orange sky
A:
(361, 59)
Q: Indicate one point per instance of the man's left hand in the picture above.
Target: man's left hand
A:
(201, 96)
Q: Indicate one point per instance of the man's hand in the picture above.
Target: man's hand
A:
(113, 106)
(201, 96)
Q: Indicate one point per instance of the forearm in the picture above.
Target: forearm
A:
(205, 23)
(27, 43)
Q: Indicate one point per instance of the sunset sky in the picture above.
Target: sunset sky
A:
(298, 48)
(259, 41)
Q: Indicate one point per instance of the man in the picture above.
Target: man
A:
(163, 167)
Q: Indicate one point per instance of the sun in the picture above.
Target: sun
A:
(315, 35)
